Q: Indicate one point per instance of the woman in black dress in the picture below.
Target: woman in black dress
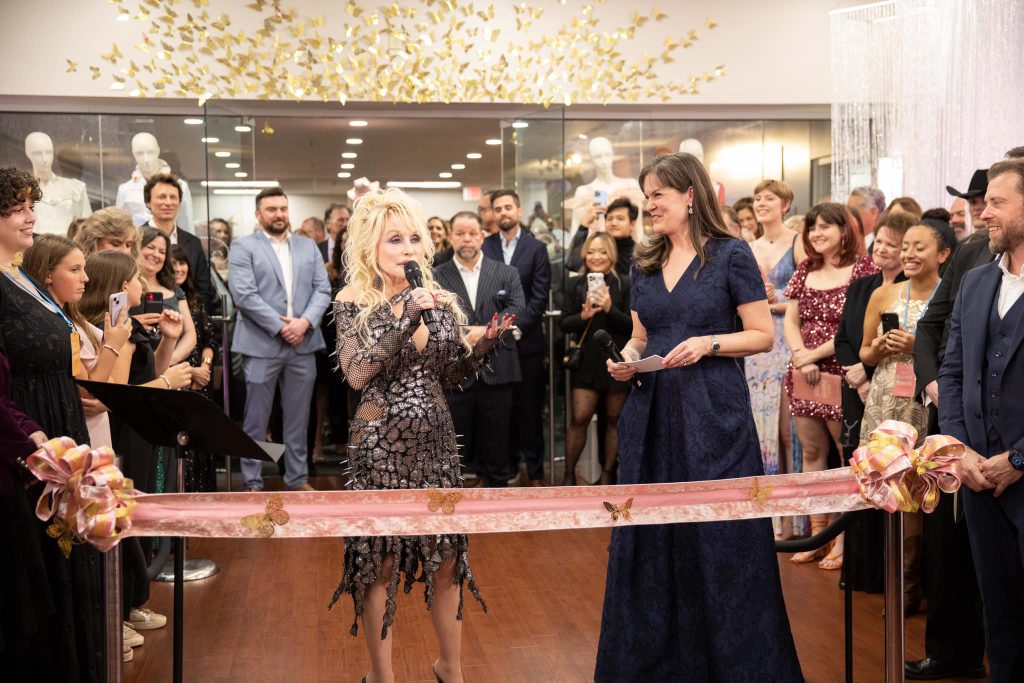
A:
(40, 343)
(607, 308)
(693, 602)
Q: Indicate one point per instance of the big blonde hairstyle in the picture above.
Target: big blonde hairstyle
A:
(108, 222)
(373, 214)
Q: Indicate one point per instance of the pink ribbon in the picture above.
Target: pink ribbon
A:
(87, 491)
(893, 475)
(84, 490)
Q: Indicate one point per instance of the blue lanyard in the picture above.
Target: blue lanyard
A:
(43, 295)
(906, 309)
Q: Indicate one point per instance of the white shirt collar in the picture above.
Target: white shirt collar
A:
(510, 242)
(1004, 265)
(475, 269)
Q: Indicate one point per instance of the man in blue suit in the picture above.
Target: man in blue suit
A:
(280, 287)
(980, 403)
(513, 246)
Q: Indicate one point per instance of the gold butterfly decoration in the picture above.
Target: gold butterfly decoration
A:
(623, 511)
(759, 494)
(64, 535)
(264, 524)
(443, 501)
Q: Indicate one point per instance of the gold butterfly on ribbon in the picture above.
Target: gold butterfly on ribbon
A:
(617, 512)
(63, 533)
(264, 524)
(759, 494)
(443, 501)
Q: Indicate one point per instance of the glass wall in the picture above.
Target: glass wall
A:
(556, 163)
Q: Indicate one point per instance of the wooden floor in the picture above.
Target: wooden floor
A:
(264, 616)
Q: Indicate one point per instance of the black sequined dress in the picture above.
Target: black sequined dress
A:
(402, 437)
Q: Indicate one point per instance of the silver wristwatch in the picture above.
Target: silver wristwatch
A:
(715, 346)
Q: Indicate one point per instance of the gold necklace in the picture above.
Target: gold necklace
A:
(15, 264)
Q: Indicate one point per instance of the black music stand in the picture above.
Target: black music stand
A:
(182, 420)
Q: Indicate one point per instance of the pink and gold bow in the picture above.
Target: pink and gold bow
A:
(893, 475)
(86, 492)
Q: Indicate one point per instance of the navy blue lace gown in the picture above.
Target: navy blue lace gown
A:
(694, 602)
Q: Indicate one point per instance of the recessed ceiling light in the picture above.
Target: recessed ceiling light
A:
(231, 164)
(348, 166)
(458, 167)
(474, 155)
(353, 141)
(241, 174)
(357, 124)
(243, 129)
(239, 183)
(210, 141)
(583, 136)
(222, 154)
(444, 174)
(492, 141)
(520, 124)
(344, 174)
(238, 191)
(348, 155)
(193, 122)
(426, 184)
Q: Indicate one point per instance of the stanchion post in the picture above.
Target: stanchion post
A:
(179, 571)
(894, 598)
(112, 603)
(225, 374)
(551, 316)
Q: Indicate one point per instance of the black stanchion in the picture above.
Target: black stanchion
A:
(182, 420)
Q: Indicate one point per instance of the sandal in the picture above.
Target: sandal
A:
(834, 560)
(818, 523)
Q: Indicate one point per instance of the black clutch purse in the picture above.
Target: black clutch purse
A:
(574, 354)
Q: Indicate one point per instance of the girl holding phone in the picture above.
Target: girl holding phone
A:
(890, 348)
(58, 263)
(599, 301)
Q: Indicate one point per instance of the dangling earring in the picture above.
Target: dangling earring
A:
(690, 208)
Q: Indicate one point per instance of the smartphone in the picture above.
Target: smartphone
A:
(601, 197)
(116, 304)
(153, 302)
(890, 321)
(595, 281)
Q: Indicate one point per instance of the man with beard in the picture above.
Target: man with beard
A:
(280, 288)
(486, 214)
(482, 406)
(974, 195)
(515, 247)
(979, 404)
(958, 219)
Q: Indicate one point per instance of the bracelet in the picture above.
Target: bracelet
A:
(113, 350)
(166, 381)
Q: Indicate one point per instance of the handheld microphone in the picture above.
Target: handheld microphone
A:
(604, 340)
(415, 278)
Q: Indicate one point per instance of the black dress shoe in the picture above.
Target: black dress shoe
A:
(929, 669)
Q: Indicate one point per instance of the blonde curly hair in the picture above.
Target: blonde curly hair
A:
(374, 212)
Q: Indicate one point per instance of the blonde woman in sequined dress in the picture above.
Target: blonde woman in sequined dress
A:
(402, 435)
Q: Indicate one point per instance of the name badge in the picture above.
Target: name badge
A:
(905, 382)
(76, 355)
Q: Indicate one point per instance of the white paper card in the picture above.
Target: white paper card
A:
(649, 364)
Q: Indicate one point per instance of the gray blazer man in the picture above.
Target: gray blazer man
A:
(280, 288)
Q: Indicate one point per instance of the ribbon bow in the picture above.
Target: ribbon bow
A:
(86, 492)
(893, 475)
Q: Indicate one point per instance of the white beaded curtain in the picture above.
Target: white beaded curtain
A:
(924, 93)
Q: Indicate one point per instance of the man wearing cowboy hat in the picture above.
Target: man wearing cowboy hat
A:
(974, 195)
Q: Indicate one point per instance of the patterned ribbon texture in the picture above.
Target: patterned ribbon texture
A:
(894, 475)
(887, 473)
(86, 494)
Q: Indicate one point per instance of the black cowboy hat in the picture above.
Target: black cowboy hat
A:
(977, 188)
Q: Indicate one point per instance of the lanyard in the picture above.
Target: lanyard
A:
(906, 309)
(41, 296)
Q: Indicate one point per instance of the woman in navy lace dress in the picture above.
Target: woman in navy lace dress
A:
(702, 601)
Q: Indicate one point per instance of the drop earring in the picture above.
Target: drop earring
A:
(690, 208)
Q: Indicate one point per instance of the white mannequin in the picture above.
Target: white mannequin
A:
(64, 199)
(146, 151)
(602, 154)
(693, 146)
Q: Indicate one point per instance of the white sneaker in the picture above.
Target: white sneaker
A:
(143, 619)
(130, 636)
(127, 654)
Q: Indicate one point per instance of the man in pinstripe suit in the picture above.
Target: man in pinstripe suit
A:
(482, 406)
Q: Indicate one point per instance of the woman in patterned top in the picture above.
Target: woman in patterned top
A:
(402, 435)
